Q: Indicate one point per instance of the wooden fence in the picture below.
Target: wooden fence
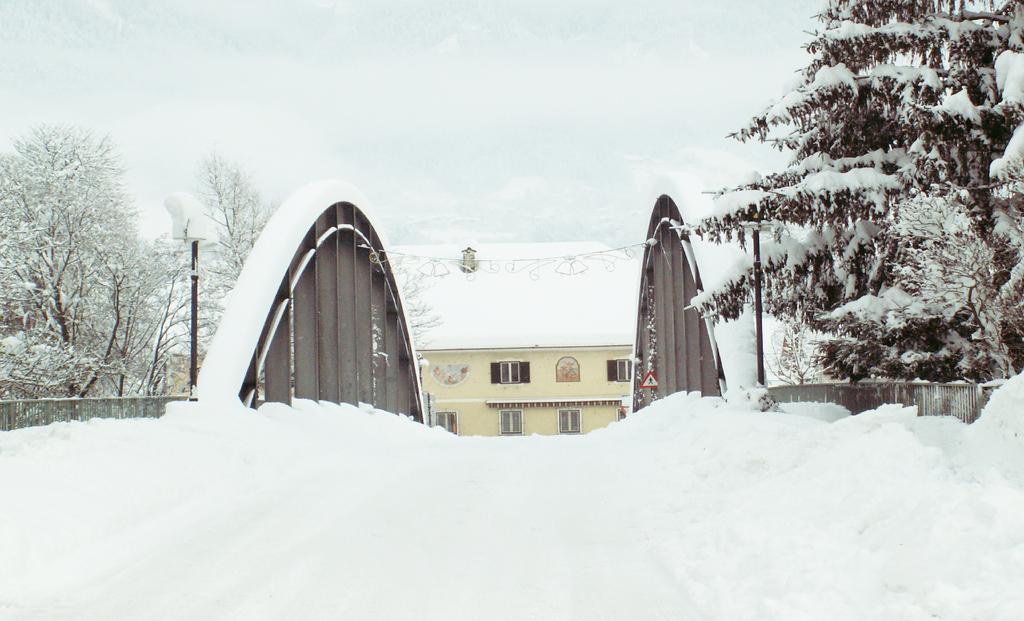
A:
(964, 401)
(961, 400)
(33, 412)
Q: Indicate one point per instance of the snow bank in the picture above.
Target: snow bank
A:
(689, 509)
(1004, 412)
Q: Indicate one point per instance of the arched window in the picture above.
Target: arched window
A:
(567, 370)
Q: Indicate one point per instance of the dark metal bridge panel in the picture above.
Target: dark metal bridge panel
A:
(329, 343)
(304, 324)
(349, 359)
(672, 339)
(363, 314)
(337, 330)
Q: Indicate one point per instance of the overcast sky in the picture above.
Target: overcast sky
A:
(523, 120)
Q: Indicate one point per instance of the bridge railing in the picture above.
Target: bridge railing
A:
(35, 412)
(962, 400)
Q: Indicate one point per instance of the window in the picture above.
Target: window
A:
(449, 421)
(622, 370)
(511, 422)
(567, 369)
(568, 421)
(619, 370)
(509, 372)
(512, 372)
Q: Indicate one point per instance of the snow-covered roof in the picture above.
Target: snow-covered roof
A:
(504, 307)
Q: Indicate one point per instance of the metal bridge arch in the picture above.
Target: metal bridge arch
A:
(672, 339)
(316, 313)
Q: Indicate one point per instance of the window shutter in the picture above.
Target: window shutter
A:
(524, 372)
(495, 372)
(613, 371)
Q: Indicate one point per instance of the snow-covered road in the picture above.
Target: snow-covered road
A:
(689, 510)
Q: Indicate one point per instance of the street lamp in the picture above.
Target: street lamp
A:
(756, 227)
(190, 225)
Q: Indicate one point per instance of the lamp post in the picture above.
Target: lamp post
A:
(756, 227)
(193, 349)
(190, 225)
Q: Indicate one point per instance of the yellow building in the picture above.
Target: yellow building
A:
(543, 390)
(528, 346)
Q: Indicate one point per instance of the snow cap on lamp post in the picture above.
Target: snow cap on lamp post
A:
(762, 226)
(188, 219)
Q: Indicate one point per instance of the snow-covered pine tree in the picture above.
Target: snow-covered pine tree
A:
(902, 99)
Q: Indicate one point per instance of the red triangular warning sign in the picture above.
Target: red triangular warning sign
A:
(650, 380)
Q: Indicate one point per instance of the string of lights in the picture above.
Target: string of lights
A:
(573, 264)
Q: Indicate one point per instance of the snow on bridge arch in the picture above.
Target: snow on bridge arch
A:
(674, 344)
(316, 313)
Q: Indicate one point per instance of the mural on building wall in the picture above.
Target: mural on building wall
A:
(567, 370)
(450, 374)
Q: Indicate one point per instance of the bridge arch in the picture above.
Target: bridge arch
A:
(316, 313)
(673, 341)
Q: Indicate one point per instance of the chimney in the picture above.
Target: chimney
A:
(469, 262)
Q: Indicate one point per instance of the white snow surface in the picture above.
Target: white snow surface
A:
(735, 202)
(1010, 81)
(1010, 76)
(875, 307)
(509, 308)
(1004, 412)
(690, 509)
(960, 104)
(1009, 165)
(831, 76)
